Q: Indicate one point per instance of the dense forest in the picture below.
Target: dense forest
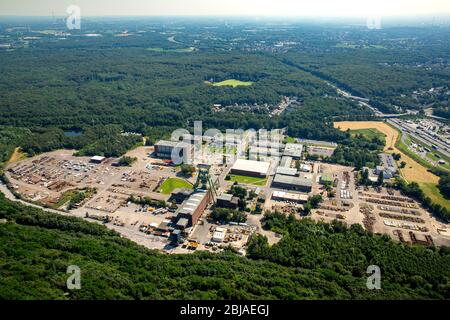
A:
(153, 94)
(388, 78)
(343, 254)
(89, 93)
(313, 261)
(148, 84)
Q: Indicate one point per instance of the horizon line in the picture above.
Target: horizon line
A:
(446, 14)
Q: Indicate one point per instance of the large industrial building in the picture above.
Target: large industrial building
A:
(292, 183)
(192, 209)
(251, 168)
(164, 149)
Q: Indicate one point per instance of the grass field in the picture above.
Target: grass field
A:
(415, 170)
(171, 184)
(248, 180)
(432, 191)
(232, 82)
(369, 134)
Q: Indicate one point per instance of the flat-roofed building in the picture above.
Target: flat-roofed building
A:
(194, 206)
(250, 168)
(219, 235)
(182, 223)
(287, 171)
(286, 162)
(164, 149)
(226, 200)
(293, 150)
(305, 167)
(289, 196)
(97, 159)
(388, 167)
(303, 184)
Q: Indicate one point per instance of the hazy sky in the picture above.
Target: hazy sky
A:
(227, 7)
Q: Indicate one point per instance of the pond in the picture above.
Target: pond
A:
(73, 133)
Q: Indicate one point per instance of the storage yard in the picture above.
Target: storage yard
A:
(132, 200)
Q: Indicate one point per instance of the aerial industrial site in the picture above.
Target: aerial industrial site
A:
(156, 203)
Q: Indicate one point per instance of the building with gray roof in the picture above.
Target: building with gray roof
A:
(285, 182)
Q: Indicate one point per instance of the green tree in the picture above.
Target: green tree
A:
(187, 169)
(380, 180)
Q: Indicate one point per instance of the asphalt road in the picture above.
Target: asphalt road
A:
(424, 138)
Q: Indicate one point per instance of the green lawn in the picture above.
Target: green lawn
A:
(369, 134)
(431, 156)
(231, 82)
(432, 191)
(289, 140)
(171, 184)
(248, 180)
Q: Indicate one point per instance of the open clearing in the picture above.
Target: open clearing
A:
(17, 156)
(171, 184)
(248, 180)
(431, 190)
(232, 82)
(369, 134)
(413, 172)
(390, 133)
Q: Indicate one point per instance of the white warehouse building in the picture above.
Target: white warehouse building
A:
(251, 168)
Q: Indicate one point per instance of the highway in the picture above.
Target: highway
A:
(425, 138)
(392, 119)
